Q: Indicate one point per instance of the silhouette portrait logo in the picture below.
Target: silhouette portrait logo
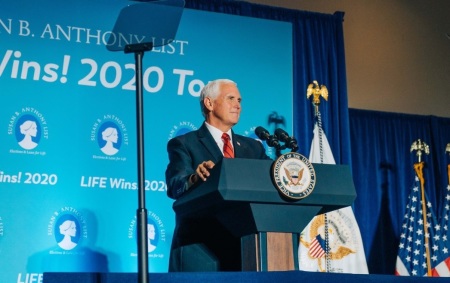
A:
(28, 132)
(155, 232)
(109, 138)
(68, 228)
(66, 234)
(28, 126)
(109, 134)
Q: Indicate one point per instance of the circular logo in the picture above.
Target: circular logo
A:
(68, 227)
(111, 135)
(109, 138)
(28, 132)
(294, 175)
(29, 127)
(156, 233)
(67, 232)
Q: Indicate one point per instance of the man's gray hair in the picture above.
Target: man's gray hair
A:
(212, 90)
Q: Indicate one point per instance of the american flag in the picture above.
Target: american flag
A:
(412, 257)
(317, 248)
(442, 269)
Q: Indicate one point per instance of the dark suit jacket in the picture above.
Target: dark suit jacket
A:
(186, 152)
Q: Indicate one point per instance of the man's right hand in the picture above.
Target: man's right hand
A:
(202, 171)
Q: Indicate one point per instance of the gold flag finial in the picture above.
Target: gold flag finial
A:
(316, 91)
(420, 147)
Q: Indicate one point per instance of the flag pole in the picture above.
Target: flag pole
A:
(448, 173)
(418, 167)
(420, 146)
(447, 149)
(315, 91)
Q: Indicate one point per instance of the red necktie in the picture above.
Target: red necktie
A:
(227, 149)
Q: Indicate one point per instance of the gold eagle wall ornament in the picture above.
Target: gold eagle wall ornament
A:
(316, 92)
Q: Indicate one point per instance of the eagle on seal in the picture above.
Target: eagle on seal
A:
(294, 179)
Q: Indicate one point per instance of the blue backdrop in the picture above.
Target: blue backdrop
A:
(68, 156)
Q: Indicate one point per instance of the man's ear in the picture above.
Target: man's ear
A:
(208, 103)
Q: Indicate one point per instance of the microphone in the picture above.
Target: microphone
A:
(290, 142)
(264, 135)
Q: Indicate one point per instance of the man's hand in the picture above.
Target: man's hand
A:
(202, 171)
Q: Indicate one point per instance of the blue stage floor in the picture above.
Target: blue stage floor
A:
(216, 277)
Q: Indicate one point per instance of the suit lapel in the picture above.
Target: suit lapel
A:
(238, 145)
(209, 143)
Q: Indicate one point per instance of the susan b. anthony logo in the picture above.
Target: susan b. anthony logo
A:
(294, 175)
(156, 234)
(29, 127)
(110, 134)
(68, 227)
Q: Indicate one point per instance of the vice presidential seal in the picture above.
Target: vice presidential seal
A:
(294, 175)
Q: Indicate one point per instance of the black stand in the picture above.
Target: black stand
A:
(155, 24)
(141, 212)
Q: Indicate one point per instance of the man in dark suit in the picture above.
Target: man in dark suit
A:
(193, 155)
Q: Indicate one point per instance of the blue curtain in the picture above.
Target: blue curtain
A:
(318, 55)
(383, 175)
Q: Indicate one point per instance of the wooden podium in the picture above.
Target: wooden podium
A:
(269, 224)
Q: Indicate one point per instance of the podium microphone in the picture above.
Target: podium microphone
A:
(290, 142)
(264, 135)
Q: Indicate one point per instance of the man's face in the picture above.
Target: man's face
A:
(226, 108)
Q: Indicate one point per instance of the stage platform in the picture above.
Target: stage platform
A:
(238, 277)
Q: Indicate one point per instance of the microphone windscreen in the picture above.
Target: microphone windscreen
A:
(281, 134)
(262, 133)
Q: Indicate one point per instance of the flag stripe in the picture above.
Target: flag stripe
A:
(442, 269)
(316, 250)
(400, 268)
